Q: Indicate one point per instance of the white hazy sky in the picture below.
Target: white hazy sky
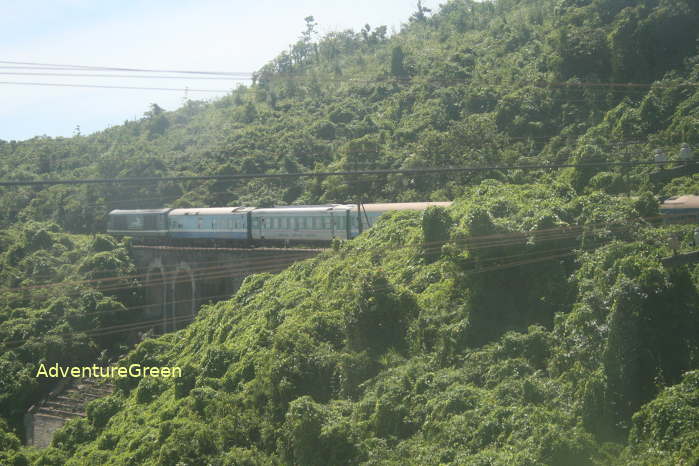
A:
(164, 34)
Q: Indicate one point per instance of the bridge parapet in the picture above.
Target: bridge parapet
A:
(179, 280)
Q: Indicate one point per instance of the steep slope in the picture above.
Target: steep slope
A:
(59, 296)
(399, 348)
(387, 343)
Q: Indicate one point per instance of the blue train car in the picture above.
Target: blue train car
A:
(225, 223)
(301, 223)
(144, 222)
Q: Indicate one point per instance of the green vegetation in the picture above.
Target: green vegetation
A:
(476, 83)
(41, 323)
(530, 323)
(377, 354)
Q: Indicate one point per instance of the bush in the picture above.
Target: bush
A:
(101, 410)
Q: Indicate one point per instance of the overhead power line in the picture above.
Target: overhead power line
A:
(408, 171)
(248, 75)
(99, 86)
(116, 68)
(129, 76)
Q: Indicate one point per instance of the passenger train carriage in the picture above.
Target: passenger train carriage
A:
(301, 223)
(317, 223)
(210, 223)
(144, 222)
(680, 209)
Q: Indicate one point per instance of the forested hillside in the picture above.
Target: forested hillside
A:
(62, 296)
(387, 351)
(472, 84)
(530, 323)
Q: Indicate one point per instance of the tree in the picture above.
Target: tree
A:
(419, 15)
(397, 68)
(436, 224)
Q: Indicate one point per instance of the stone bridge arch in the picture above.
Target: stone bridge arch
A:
(156, 291)
(184, 297)
(178, 280)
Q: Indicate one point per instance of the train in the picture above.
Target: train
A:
(680, 209)
(254, 225)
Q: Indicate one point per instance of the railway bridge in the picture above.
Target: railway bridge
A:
(178, 280)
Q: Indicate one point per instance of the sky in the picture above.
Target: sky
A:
(201, 35)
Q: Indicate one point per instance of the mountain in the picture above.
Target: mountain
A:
(476, 83)
(531, 323)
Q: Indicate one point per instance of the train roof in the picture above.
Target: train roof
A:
(139, 211)
(388, 206)
(681, 202)
(302, 209)
(302, 206)
(211, 211)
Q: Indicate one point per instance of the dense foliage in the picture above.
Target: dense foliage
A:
(374, 353)
(66, 324)
(531, 323)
